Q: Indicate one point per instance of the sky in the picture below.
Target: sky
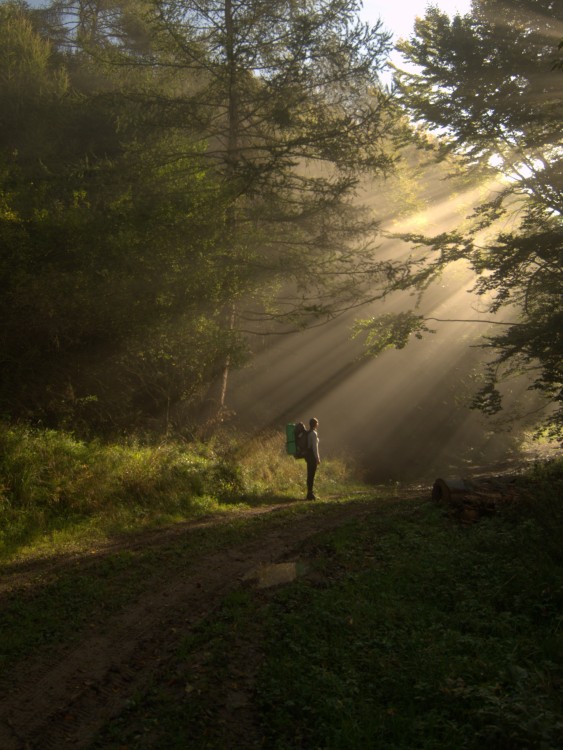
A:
(398, 15)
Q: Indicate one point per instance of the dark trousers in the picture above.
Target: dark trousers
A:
(311, 471)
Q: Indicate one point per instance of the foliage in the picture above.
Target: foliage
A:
(389, 331)
(558, 63)
(504, 127)
(57, 490)
(173, 176)
(287, 97)
(110, 282)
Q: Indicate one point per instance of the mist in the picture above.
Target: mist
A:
(404, 415)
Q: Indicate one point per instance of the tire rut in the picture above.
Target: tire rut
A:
(66, 704)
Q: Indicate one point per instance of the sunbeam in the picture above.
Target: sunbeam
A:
(406, 413)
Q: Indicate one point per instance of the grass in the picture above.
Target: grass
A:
(70, 600)
(408, 631)
(62, 608)
(426, 636)
(59, 494)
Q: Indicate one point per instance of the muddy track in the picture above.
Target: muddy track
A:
(65, 704)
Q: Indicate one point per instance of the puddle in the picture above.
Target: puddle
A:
(275, 575)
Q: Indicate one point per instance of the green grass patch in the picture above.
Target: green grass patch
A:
(425, 635)
(61, 604)
(408, 631)
(58, 493)
(60, 610)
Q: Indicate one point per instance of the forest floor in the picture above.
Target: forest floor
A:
(63, 693)
(86, 637)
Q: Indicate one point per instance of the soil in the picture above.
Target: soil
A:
(64, 697)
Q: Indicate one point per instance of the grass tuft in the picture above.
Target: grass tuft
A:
(57, 492)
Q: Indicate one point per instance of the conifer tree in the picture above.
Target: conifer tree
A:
(286, 100)
(486, 89)
(203, 174)
(105, 305)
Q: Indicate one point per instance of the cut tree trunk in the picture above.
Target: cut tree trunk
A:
(469, 500)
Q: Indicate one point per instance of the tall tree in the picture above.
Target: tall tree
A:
(196, 185)
(286, 99)
(485, 88)
(102, 239)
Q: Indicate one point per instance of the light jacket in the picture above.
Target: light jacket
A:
(313, 443)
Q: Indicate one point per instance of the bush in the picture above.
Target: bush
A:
(51, 480)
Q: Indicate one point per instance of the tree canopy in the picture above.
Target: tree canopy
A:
(485, 90)
(177, 177)
(189, 181)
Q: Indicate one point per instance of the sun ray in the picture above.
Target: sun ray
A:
(405, 413)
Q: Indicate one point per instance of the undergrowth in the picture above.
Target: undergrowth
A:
(57, 492)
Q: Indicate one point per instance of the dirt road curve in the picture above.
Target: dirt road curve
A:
(64, 704)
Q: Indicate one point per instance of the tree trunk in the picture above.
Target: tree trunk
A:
(215, 405)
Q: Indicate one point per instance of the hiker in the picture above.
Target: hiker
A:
(312, 457)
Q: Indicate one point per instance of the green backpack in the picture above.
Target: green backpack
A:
(297, 439)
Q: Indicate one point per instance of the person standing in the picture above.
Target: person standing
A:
(313, 457)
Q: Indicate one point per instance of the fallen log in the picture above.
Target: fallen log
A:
(470, 499)
(443, 489)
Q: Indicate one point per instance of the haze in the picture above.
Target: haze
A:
(405, 414)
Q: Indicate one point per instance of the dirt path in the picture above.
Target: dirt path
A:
(64, 704)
